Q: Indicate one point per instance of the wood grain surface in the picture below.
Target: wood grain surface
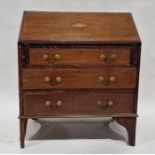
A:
(65, 27)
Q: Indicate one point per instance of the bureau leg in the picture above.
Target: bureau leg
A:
(23, 125)
(130, 124)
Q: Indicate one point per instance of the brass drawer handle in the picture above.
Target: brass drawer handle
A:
(45, 57)
(99, 103)
(105, 104)
(106, 80)
(112, 58)
(103, 57)
(101, 79)
(48, 103)
(112, 79)
(53, 104)
(47, 79)
(110, 103)
(57, 80)
(57, 56)
(59, 103)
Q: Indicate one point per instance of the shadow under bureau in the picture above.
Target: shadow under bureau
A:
(79, 65)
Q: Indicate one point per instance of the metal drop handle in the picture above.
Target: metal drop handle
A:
(105, 104)
(107, 59)
(48, 103)
(103, 80)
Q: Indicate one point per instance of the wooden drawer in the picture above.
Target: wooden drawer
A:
(116, 77)
(77, 103)
(80, 56)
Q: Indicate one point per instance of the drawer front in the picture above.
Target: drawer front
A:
(119, 77)
(79, 56)
(77, 103)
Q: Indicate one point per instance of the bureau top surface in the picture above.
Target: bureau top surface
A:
(78, 27)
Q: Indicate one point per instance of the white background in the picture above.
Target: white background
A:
(10, 17)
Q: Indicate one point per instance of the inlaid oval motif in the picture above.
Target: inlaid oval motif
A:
(79, 25)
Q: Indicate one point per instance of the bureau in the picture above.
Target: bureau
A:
(78, 65)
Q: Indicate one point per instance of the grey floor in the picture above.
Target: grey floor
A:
(82, 135)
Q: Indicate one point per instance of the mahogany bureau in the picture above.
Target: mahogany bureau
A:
(79, 65)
